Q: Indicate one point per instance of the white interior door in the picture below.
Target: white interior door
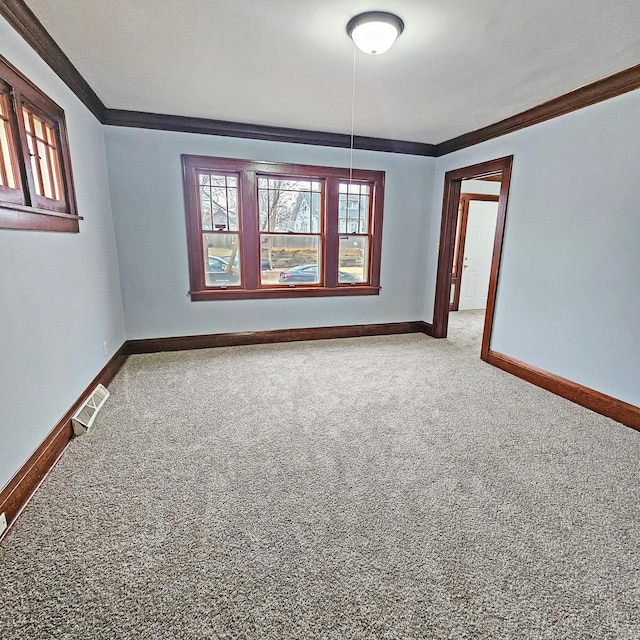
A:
(478, 249)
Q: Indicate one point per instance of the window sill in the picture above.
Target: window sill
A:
(283, 292)
(19, 216)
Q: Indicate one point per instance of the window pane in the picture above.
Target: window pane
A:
(44, 167)
(293, 260)
(218, 202)
(289, 205)
(38, 127)
(37, 174)
(51, 136)
(221, 255)
(8, 176)
(45, 159)
(353, 208)
(57, 180)
(315, 213)
(52, 154)
(353, 258)
(364, 214)
(27, 121)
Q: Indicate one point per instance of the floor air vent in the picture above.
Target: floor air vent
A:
(83, 418)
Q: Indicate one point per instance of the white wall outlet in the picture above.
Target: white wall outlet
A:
(105, 349)
(3, 523)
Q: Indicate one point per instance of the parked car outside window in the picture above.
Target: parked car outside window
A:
(309, 273)
(218, 272)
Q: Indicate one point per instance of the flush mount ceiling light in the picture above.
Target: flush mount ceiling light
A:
(374, 31)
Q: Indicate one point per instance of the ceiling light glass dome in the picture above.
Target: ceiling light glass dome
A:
(375, 31)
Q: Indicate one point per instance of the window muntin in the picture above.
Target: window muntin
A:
(36, 186)
(283, 223)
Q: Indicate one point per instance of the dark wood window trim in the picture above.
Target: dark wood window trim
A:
(42, 196)
(248, 172)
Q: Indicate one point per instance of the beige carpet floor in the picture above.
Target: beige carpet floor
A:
(370, 488)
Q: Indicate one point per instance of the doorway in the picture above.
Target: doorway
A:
(450, 275)
(477, 219)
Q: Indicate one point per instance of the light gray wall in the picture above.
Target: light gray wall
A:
(148, 207)
(59, 293)
(567, 297)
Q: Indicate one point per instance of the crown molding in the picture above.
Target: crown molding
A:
(609, 87)
(24, 21)
(164, 122)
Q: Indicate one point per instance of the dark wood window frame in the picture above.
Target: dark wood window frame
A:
(248, 172)
(26, 206)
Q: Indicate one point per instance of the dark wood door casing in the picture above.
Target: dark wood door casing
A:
(458, 251)
(450, 206)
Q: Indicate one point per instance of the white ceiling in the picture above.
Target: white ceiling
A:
(458, 66)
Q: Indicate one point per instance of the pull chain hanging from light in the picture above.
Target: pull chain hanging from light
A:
(353, 112)
(373, 32)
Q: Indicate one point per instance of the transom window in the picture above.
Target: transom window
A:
(260, 230)
(36, 188)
